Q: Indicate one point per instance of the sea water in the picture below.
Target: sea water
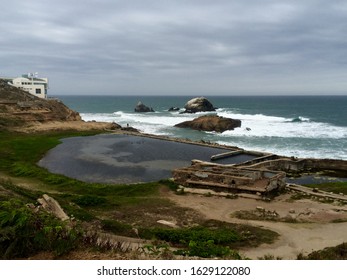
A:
(300, 126)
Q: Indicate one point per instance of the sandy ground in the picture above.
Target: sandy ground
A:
(314, 231)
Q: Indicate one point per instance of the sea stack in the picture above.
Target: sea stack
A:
(211, 123)
(199, 104)
(142, 108)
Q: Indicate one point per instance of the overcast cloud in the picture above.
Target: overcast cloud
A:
(179, 46)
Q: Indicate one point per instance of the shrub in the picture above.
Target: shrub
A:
(23, 232)
(197, 241)
(207, 249)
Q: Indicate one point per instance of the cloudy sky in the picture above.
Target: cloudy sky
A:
(164, 47)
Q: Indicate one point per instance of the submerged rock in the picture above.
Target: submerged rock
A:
(211, 123)
(199, 104)
(142, 108)
(171, 109)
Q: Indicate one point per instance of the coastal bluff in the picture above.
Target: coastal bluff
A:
(22, 111)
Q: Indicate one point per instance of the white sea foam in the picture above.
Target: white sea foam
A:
(269, 126)
(299, 136)
(257, 125)
(148, 122)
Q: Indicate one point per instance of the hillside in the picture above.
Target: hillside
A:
(22, 111)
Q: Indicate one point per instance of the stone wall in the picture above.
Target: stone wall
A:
(287, 164)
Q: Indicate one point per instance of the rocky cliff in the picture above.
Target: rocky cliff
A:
(19, 108)
(22, 111)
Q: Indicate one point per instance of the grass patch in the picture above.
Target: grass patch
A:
(89, 200)
(335, 187)
(31, 195)
(20, 152)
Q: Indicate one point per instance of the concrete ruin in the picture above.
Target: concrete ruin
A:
(248, 172)
(297, 164)
(229, 178)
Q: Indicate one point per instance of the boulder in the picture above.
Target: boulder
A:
(211, 123)
(142, 108)
(199, 104)
(52, 206)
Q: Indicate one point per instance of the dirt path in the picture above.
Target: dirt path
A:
(303, 237)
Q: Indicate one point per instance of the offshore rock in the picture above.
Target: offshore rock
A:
(142, 108)
(172, 109)
(211, 123)
(199, 104)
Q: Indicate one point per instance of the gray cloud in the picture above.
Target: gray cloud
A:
(178, 47)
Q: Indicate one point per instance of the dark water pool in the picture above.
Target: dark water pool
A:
(122, 158)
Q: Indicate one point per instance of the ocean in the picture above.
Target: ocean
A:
(300, 126)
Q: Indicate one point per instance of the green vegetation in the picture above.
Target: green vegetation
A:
(199, 241)
(211, 239)
(24, 232)
(112, 208)
(90, 200)
(338, 252)
(335, 187)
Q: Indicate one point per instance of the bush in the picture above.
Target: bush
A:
(198, 241)
(23, 232)
(207, 249)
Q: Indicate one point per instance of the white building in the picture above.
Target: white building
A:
(32, 84)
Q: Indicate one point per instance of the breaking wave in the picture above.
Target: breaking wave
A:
(299, 136)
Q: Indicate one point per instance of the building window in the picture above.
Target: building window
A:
(38, 91)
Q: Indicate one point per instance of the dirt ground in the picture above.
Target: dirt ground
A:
(65, 125)
(317, 225)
